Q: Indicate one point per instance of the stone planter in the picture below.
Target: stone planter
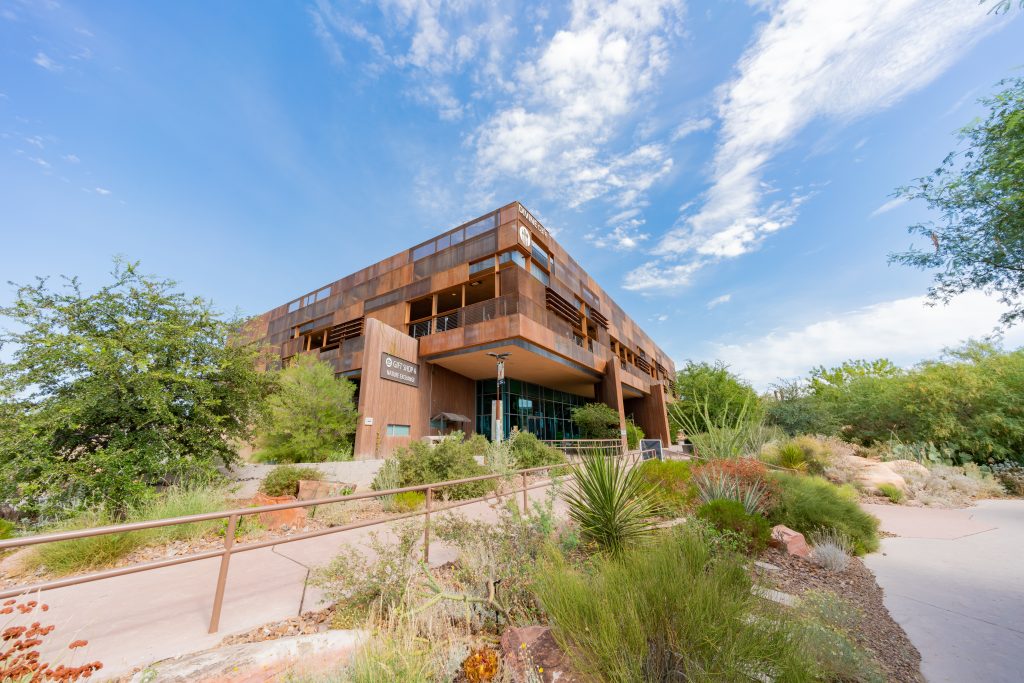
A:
(293, 517)
(313, 490)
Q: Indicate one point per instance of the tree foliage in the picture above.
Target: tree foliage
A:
(312, 416)
(106, 394)
(596, 421)
(712, 389)
(977, 241)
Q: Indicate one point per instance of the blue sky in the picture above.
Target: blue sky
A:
(724, 169)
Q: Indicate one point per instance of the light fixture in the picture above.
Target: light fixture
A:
(475, 283)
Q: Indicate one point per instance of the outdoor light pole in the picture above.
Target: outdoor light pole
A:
(499, 418)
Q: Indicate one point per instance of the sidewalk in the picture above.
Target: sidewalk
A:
(133, 620)
(954, 580)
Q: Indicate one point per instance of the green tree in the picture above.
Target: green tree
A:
(312, 416)
(109, 393)
(977, 241)
(596, 421)
(824, 379)
(714, 387)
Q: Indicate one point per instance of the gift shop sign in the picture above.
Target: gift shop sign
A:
(398, 370)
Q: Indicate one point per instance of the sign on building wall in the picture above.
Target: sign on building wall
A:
(398, 370)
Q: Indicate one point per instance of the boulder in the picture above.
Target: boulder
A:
(793, 542)
(293, 517)
(908, 469)
(870, 474)
(533, 649)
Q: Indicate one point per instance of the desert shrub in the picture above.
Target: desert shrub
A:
(612, 504)
(477, 444)
(808, 504)
(407, 501)
(749, 474)
(1010, 476)
(670, 481)
(801, 453)
(946, 485)
(633, 434)
(596, 421)
(831, 550)
(283, 480)
(499, 458)
(673, 610)
(451, 458)
(712, 486)
(892, 492)
(529, 451)
(825, 636)
(730, 515)
(726, 436)
(6, 528)
(710, 388)
(93, 552)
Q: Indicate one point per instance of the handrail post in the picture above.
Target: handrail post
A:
(525, 507)
(222, 578)
(426, 526)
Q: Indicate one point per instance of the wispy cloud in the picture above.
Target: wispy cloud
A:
(889, 206)
(40, 162)
(102, 191)
(719, 300)
(575, 96)
(904, 330)
(812, 60)
(691, 126)
(71, 158)
(45, 61)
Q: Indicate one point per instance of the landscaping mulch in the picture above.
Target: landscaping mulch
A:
(876, 632)
(305, 624)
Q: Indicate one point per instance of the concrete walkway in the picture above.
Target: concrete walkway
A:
(954, 580)
(137, 619)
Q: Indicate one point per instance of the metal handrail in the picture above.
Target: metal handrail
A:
(234, 515)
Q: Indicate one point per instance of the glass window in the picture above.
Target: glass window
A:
(481, 266)
(422, 250)
(443, 242)
(541, 256)
(398, 430)
(481, 226)
(310, 298)
(293, 306)
(456, 237)
(514, 256)
(323, 294)
(540, 274)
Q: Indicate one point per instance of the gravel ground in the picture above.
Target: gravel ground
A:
(876, 631)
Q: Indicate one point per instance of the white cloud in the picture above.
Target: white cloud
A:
(889, 206)
(691, 126)
(40, 162)
(661, 276)
(812, 60)
(35, 141)
(71, 158)
(102, 191)
(574, 97)
(719, 300)
(43, 60)
(904, 330)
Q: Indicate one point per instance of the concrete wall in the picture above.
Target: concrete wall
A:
(358, 472)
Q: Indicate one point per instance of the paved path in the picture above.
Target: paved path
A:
(954, 580)
(136, 619)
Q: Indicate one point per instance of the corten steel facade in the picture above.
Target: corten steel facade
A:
(415, 330)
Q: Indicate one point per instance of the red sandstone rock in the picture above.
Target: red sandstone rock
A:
(293, 517)
(793, 542)
(533, 647)
(313, 490)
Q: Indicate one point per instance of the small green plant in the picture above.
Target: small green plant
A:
(634, 434)
(892, 492)
(407, 501)
(612, 504)
(670, 481)
(808, 504)
(6, 528)
(714, 485)
(529, 451)
(789, 456)
(730, 516)
(451, 458)
(596, 421)
(831, 549)
(284, 480)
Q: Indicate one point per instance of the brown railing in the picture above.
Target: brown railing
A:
(467, 315)
(233, 516)
(574, 448)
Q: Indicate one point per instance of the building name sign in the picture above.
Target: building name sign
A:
(398, 370)
(531, 220)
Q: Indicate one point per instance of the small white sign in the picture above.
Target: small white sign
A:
(368, 421)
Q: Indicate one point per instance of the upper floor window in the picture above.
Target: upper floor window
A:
(513, 255)
(480, 266)
(540, 256)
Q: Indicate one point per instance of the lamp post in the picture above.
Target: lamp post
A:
(499, 418)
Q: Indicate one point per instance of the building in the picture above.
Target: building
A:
(415, 332)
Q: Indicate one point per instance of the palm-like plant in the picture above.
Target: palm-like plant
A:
(612, 504)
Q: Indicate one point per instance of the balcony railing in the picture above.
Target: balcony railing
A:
(468, 315)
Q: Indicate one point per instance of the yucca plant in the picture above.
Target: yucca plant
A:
(717, 438)
(612, 503)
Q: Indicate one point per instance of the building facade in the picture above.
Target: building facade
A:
(417, 331)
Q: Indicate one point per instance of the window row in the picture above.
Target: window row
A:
(477, 227)
(309, 299)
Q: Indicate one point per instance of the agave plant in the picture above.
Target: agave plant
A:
(612, 504)
(720, 437)
(720, 486)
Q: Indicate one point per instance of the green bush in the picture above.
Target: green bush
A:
(670, 480)
(807, 504)
(891, 492)
(634, 434)
(729, 515)
(93, 552)
(671, 611)
(596, 421)
(407, 501)
(283, 480)
(529, 452)
(612, 503)
(451, 458)
(6, 528)
(801, 453)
